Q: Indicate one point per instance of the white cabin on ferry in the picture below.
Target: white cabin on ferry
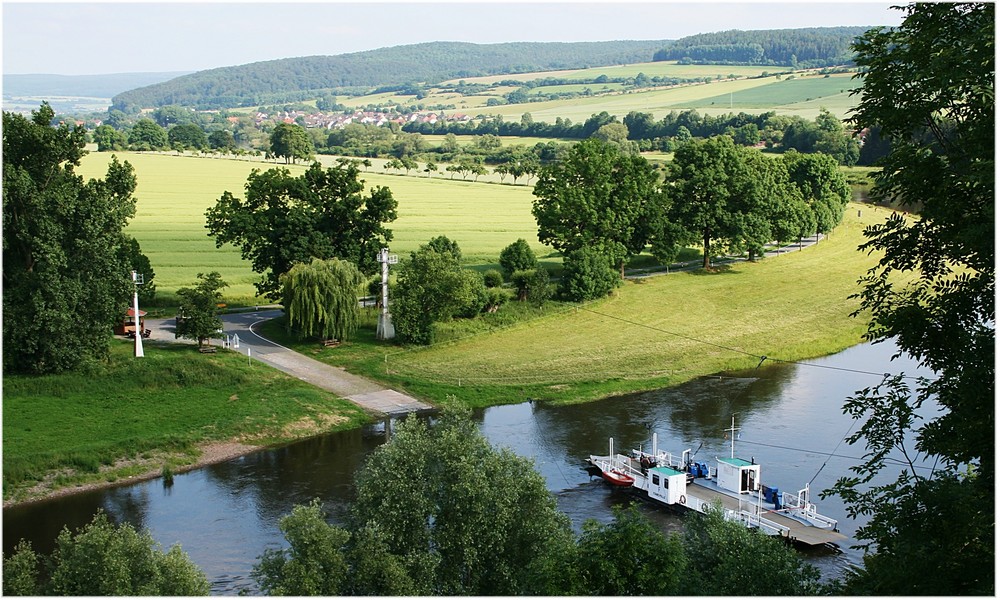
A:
(738, 475)
(667, 485)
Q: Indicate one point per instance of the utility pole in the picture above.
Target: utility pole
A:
(385, 330)
(137, 280)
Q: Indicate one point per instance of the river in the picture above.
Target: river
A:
(225, 515)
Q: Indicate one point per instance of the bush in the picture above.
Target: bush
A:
(517, 257)
(493, 278)
(102, 559)
(587, 275)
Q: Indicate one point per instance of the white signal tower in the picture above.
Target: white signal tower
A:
(137, 280)
(385, 330)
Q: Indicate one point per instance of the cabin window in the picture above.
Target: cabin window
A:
(656, 479)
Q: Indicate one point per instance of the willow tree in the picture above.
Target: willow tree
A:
(321, 298)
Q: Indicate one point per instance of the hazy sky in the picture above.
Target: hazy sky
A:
(81, 38)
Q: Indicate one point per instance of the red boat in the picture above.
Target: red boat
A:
(618, 477)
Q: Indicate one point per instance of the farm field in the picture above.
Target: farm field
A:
(174, 192)
(652, 69)
(785, 92)
(764, 94)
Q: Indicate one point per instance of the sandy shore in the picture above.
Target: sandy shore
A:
(210, 454)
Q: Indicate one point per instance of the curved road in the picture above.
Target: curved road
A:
(367, 394)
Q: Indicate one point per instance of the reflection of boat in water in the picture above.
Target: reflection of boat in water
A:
(734, 485)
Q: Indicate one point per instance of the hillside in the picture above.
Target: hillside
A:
(293, 79)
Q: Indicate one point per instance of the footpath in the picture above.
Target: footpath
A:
(369, 395)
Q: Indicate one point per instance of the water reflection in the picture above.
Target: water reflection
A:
(225, 516)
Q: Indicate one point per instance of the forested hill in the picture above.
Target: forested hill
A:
(800, 48)
(283, 80)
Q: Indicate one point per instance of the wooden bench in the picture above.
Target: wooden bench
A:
(331, 343)
(207, 349)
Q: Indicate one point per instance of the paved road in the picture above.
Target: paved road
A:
(367, 394)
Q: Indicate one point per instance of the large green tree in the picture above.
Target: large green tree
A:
(431, 287)
(929, 85)
(147, 135)
(187, 136)
(291, 142)
(596, 197)
(461, 516)
(703, 185)
(822, 185)
(102, 559)
(65, 281)
(321, 298)
(197, 315)
(323, 213)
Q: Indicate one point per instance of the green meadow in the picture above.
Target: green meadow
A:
(130, 417)
(174, 192)
(650, 333)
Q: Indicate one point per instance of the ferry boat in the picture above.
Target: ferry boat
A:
(734, 484)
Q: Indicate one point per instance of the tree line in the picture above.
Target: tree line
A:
(806, 48)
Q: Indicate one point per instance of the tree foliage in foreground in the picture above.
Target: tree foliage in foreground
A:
(323, 213)
(66, 280)
(101, 559)
(321, 298)
(929, 86)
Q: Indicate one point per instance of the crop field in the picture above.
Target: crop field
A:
(652, 69)
(174, 192)
(758, 95)
(783, 92)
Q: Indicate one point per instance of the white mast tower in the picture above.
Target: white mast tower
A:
(137, 280)
(385, 330)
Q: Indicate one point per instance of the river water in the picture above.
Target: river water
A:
(225, 515)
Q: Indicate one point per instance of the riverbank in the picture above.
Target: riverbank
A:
(650, 333)
(129, 420)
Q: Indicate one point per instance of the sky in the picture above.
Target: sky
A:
(88, 38)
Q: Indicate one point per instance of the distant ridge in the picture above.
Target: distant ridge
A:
(91, 86)
(291, 79)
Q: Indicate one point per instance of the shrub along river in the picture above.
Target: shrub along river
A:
(789, 415)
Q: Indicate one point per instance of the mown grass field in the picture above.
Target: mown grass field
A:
(153, 411)
(174, 191)
(652, 333)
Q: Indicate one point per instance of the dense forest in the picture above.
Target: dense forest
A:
(799, 48)
(294, 79)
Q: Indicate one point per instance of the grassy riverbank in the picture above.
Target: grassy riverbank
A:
(133, 416)
(650, 333)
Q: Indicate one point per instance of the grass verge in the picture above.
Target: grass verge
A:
(131, 416)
